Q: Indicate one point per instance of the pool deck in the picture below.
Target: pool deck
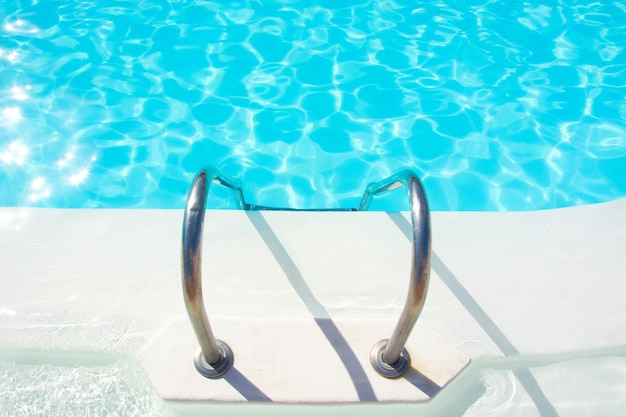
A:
(503, 285)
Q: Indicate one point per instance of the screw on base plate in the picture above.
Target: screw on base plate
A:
(389, 370)
(217, 369)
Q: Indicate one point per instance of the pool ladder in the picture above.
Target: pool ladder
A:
(388, 356)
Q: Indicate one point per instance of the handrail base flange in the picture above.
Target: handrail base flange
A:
(217, 369)
(383, 368)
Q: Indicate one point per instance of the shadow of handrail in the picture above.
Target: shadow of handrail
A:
(244, 386)
(421, 382)
(524, 376)
(359, 379)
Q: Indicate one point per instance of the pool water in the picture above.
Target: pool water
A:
(496, 105)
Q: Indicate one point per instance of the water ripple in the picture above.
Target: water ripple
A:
(498, 107)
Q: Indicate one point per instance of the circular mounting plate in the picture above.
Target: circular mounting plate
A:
(217, 369)
(389, 371)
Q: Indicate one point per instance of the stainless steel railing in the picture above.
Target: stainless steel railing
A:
(389, 356)
(214, 357)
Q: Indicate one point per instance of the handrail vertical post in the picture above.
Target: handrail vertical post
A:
(214, 357)
(389, 356)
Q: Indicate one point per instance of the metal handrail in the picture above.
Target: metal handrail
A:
(389, 356)
(214, 357)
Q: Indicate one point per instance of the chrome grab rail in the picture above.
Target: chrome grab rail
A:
(388, 357)
(214, 357)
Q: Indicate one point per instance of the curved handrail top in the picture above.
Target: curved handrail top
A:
(215, 357)
(391, 351)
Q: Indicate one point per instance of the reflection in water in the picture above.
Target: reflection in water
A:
(14, 153)
(12, 114)
(499, 107)
(39, 189)
(78, 177)
(11, 56)
(20, 93)
(66, 159)
(21, 27)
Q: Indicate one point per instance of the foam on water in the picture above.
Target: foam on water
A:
(497, 106)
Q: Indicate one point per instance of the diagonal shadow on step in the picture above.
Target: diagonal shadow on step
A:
(421, 382)
(349, 359)
(244, 386)
(524, 376)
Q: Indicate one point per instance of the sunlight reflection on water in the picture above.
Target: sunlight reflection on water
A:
(497, 108)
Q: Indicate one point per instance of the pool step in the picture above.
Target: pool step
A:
(291, 353)
(321, 360)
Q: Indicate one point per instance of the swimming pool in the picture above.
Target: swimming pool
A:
(496, 106)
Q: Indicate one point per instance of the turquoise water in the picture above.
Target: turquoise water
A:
(497, 105)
